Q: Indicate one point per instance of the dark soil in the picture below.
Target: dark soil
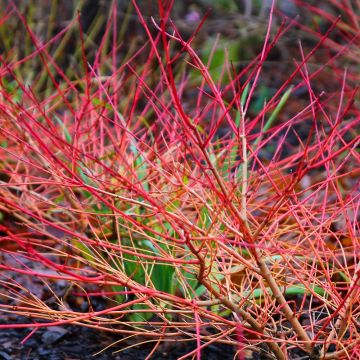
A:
(77, 342)
(80, 343)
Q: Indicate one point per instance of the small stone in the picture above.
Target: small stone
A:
(53, 334)
(5, 356)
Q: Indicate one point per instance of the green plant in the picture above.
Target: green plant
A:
(121, 186)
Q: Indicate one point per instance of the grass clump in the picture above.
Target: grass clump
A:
(189, 217)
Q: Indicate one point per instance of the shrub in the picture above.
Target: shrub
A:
(140, 181)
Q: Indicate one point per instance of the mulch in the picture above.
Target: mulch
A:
(80, 343)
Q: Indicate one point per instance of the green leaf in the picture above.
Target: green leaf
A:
(4, 144)
(133, 268)
(102, 103)
(162, 277)
(275, 112)
(85, 251)
(67, 135)
(243, 99)
(140, 316)
(120, 298)
(299, 289)
(278, 108)
(140, 166)
(85, 178)
(12, 88)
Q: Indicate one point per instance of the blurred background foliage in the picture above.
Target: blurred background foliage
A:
(234, 32)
